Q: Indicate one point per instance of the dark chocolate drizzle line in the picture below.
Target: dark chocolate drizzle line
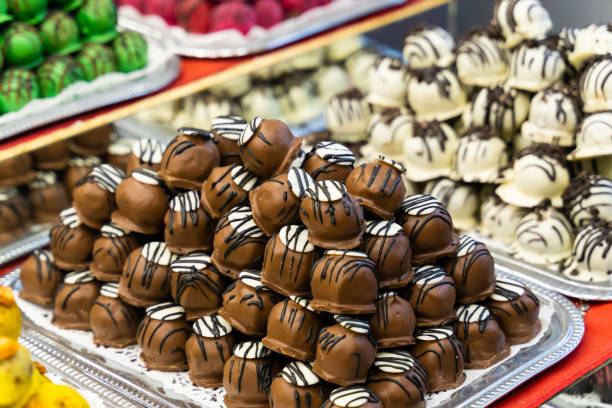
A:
(385, 245)
(469, 260)
(118, 252)
(581, 188)
(337, 268)
(465, 321)
(427, 274)
(595, 235)
(61, 236)
(416, 375)
(176, 148)
(75, 289)
(236, 238)
(149, 270)
(43, 261)
(328, 340)
(201, 283)
(291, 261)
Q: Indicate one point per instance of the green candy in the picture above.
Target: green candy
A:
(18, 86)
(67, 5)
(56, 73)
(96, 60)
(30, 11)
(60, 34)
(22, 46)
(4, 15)
(131, 51)
(97, 20)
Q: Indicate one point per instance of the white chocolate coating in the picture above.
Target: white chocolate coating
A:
(479, 159)
(251, 350)
(482, 61)
(591, 256)
(387, 80)
(436, 95)
(596, 86)
(595, 39)
(358, 66)
(521, 20)
(594, 137)
(331, 80)
(347, 115)
(261, 101)
(431, 46)
(299, 101)
(300, 373)
(165, 311)
(460, 200)
(386, 132)
(429, 152)
(499, 220)
(533, 68)
(593, 202)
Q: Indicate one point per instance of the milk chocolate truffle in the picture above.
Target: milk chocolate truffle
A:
(297, 386)
(238, 243)
(189, 159)
(276, 202)
(329, 161)
(93, 196)
(207, 350)
(247, 304)
(91, 143)
(110, 251)
(73, 301)
(147, 154)
(188, 227)
(141, 203)
(484, 343)
(267, 147)
(399, 379)
(162, 336)
(247, 376)
(196, 285)
(39, 278)
(146, 275)
(378, 186)
(226, 188)
(472, 269)
(516, 309)
(344, 281)
(227, 130)
(332, 216)
(78, 167)
(293, 329)
(432, 296)
(393, 323)
(52, 157)
(118, 153)
(287, 262)
(14, 213)
(345, 351)
(355, 396)
(71, 242)
(441, 354)
(429, 227)
(16, 170)
(386, 244)
(47, 197)
(114, 323)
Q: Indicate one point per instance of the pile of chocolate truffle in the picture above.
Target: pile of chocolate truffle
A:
(290, 277)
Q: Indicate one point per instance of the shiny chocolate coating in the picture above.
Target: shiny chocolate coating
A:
(91, 143)
(71, 242)
(227, 130)
(394, 322)
(78, 167)
(16, 170)
(52, 157)
(432, 296)
(355, 396)
(73, 302)
(47, 197)
(226, 188)
(247, 377)
(40, 278)
(114, 323)
(110, 251)
(188, 227)
(329, 161)
(14, 214)
(93, 196)
(296, 386)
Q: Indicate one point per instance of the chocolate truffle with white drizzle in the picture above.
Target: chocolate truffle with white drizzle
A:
(349, 397)
(14, 213)
(114, 323)
(73, 301)
(93, 197)
(188, 227)
(247, 376)
(226, 188)
(297, 386)
(329, 161)
(78, 167)
(147, 154)
(394, 322)
(48, 197)
(227, 130)
(432, 296)
(71, 242)
(110, 251)
(39, 278)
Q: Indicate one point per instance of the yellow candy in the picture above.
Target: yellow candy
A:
(10, 315)
(56, 396)
(19, 379)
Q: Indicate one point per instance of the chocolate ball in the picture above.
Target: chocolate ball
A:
(473, 270)
(293, 329)
(93, 142)
(344, 282)
(162, 336)
(386, 244)
(14, 214)
(146, 154)
(188, 227)
(441, 353)
(276, 201)
(52, 157)
(208, 349)
(329, 161)
(484, 343)
(189, 159)
(71, 242)
(332, 216)
(432, 296)
(40, 278)
(73, 301)
(429, 227)
(145, 279)
(141, 203)
(297, 386)
(110, 251)
(226, 188)
(16, 171)
(378, 186)
(47, 197)
(288, 261)
(196, 285)
(247, 304)
(267, 147)
(356, 396)
(516, 309)
(114, 323)
(393, 323)
(399, 379)
(227, 130)
(345, 351)
(78, 167)
(238, 243)
(247, 376)
(93, 196)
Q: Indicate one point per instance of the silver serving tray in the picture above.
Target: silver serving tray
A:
(191, 45)
(35, 237)
(560, 338)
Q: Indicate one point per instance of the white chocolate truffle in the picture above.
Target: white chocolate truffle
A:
(199, 111)
(261, 101)
(428, 46)
(429, 151)
(309, 60)
(358, 66)
(592, 254)
(536, 65)
(482, 60)
(554, 115)
(539, 172)
(499, 220)
(596, 84)
(387, 80)
(594, 137)
(386, 132)
(588, 198)
(520, 142)
(595, 39)
(299, 100)
(480, 155)
(460, 200)
(331, 80)
(342, 49)
(544, 236)
(435, 94)
(520, 20)
(347, 115)
(233, 87)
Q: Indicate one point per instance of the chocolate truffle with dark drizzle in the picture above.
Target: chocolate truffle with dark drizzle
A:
(71, 242)
(114, 323)
(329, 161)
(73, 301)
(297, 386)
(188, 227)
(40, 278)
(48, 197)
(247, 376)
(14, 213)
(226, 188)
(432, 296)
(93, 196)
(110, 251)
(78, 167)
(393, 323)
(352, 397)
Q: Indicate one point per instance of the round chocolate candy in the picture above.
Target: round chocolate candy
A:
(227, 130)
(40, 278)
(71, 242)
(297, 386)
(247, 376)
(73, 301)
(48, 197)
(393, 323)
(114, 323)
(432, 296)
(188, 227)
(329, 161)
(93, 196)
(110, 251)
(226, 188)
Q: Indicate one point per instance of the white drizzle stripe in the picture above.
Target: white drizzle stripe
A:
(391, 162)
(353, 324)
(336, 153)
(420, 204)
(472, 313)
(112, 230)
(165, 311)
(305, 303)
(434, 333)
(87, 161)
(229, 127)
(110, 290)
(157, 253)
(188, 201)
(428, 274)
(79, 277)
(251, 278)
(299, 181)
(352, 397)
(507, 290)
(107, 177)
(197, 133)
(7, 193)
(241, 220)
(394, 361)
(149, 150)
(146, 176)
(43, 179)
(249, 130)
(212, 326)
(244, 178)
(383, 228)
(193, 262)
(69, 218)
(295, 237)
(327, 190)
(300, 374)
(251, 350)
(467, 245)
(346, 252)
